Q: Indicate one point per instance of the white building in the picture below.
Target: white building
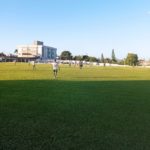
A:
(37, 50)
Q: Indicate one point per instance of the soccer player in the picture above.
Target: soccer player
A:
(55, 68)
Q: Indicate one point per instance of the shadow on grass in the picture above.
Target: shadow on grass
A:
(53, 114)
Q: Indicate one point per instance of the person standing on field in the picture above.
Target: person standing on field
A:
(80, 64)
(33, 65)
(55, 68)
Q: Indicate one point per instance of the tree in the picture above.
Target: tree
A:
(132, 59)
(113, 57)
(2, 54)
(102, 58)
(108, 60)
(86, 57)
(66, 55)
(77, 57)
(92, 59)
(16, 51)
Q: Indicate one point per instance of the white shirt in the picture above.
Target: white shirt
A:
(33, 63)
(55, 65)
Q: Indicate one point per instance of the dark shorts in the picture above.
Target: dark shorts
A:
(54, 70)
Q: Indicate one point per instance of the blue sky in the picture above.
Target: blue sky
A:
(81, 26)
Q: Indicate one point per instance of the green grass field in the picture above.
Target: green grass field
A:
(96, 108)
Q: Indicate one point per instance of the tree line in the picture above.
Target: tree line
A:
(131, 59)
